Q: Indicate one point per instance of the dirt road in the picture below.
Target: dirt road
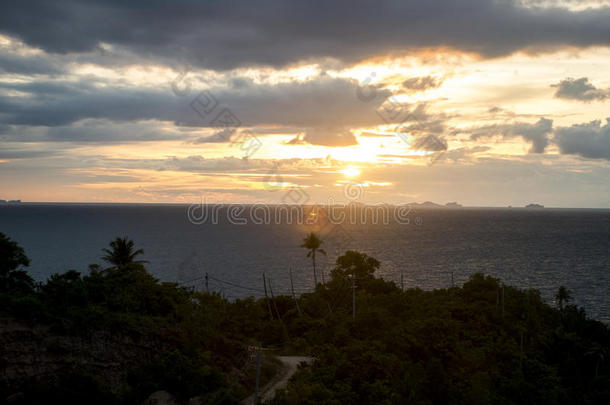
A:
(290, 364)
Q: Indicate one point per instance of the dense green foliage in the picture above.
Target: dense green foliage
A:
(480, 343)
(126, 301)
(454, 346)
(12, 277)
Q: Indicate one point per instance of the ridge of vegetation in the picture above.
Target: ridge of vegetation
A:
(483, 342)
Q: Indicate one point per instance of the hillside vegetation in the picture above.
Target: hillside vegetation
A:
(116, 334)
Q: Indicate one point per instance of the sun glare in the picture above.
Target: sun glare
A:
(350, 172)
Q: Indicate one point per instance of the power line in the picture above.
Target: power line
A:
(235, 285)
(187, 281)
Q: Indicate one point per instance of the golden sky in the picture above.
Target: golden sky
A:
(504, 105)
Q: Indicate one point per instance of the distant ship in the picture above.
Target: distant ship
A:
(534, 206)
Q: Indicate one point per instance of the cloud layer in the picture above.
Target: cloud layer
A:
(537, 134)
(591, 140)
(322, 106)
(579, 89)
(87, 108)
(223, 35)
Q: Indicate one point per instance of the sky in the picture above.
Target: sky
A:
(483, 102)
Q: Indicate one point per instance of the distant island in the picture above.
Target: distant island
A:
(427, 204)
(534, 206)
(430, 204)
(10, 202)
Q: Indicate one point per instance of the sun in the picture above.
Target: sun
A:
(350, 172)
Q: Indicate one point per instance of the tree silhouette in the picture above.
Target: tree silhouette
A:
(355, 264)
(12, 256)
(563, 295)
(313, 243)
(122, 253)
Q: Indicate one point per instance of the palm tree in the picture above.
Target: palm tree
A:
(312, 243)
(122, 253)
(563, 295)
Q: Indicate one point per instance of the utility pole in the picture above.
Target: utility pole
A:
(452, 285)
(273, 300)
(402, 280)
(266, 297)
(502, 299)
(207, 287)
(353, 297)
(293, 294)
(258, 373)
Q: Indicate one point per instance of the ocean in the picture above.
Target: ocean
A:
(528, 248)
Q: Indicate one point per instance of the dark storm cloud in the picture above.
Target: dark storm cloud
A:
(537, 134)
(322, 102)
(430, 143)
(28, 65)
(219, 137)
(330, 137)
(92, 131)
(421, 83)
(57, 104)
(591, 140)
(24, 154)
(495, 110)
(579, 89)
(461, 154)
(419, 121)
(426, 124)
(108, 132)
(222, 34)
(325, 136)
(197, 163)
